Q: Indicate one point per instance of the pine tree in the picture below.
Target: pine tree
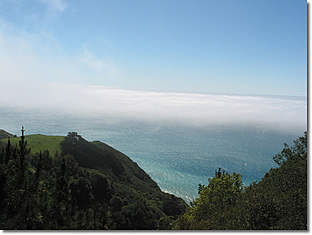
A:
(23, 151)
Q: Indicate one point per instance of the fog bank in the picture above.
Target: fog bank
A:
(182, 108)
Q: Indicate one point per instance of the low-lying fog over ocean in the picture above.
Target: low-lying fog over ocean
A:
(179, 139)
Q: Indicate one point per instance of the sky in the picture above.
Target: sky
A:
(201, 46)
(156, 56)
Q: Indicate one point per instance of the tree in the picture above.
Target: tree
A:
(211, 210)
(22, 152)
(299, 150)
(279, 200)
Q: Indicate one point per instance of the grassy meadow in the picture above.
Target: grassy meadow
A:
(39, 143)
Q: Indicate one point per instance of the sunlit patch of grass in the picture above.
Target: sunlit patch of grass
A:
(39, 143)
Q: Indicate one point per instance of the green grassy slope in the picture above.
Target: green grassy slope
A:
(39, 143)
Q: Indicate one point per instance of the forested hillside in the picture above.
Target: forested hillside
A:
(88, 185)
(277, 202)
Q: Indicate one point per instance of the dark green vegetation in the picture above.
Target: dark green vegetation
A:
(82, 185)
(4, 134)
(89, 185)
(278, 201)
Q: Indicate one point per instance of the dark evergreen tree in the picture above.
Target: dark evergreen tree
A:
(22, 152)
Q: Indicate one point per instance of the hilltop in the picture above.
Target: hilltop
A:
(37, 143)
(5, 134)
(80, 179)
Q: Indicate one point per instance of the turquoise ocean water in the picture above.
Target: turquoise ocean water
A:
(178, 157)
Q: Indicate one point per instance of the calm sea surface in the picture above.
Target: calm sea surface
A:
(177, 157)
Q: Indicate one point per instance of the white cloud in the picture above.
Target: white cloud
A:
(88, 58)
(198, 109)
(107, 67)
(28, 60)
(26, 81)
(55, 5)
(27, 73)
(284, 113)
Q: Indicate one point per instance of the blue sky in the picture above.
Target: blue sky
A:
(202, 46)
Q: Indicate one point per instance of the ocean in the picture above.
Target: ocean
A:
(178, 157)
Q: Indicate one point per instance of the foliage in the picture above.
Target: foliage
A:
(38, 191)
(298, 151)
(278, 201)
(211, 209)
(90, 185)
